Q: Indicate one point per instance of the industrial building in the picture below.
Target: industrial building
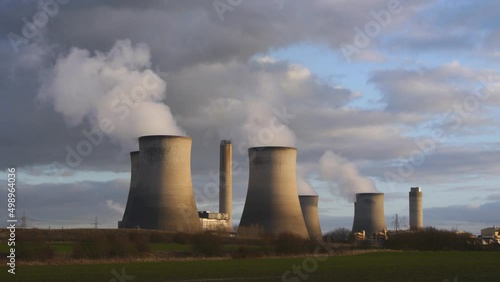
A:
(272, 203)
(161, 192)
(222, 220)
(214, 221)
(490, 232)
(369, 213)
(416, 212)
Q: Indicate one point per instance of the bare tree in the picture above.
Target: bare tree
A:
(396, 222)
(339, 235)
(403, 222)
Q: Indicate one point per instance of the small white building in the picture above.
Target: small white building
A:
(490, 233)
(215, 221)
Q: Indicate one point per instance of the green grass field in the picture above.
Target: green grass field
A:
(382, 266)
(67, 247)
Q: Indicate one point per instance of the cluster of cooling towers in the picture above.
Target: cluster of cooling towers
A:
(161, 192)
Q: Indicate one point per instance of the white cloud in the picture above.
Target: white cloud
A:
(115, 207)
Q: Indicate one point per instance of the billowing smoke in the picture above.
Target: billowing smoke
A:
(115, 92)
(303, 186)
(263, 128)
(265, 125)
(343, 176)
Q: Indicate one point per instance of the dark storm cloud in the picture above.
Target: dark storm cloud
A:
(180, 34)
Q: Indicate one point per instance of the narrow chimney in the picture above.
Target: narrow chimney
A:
(226, 180)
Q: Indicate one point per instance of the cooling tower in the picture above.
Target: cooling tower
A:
(309, 206)
(416, 213)
(369, 213)
(133, 190)
(166, 198)
(272, 203)
(226, 180)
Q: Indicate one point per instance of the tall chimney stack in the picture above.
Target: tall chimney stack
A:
(416, 213)
(226, 180)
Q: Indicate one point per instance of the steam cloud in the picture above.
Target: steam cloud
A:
(263, 128)
(343, 176)
(303, 186)
(115, 207)
(115, 92)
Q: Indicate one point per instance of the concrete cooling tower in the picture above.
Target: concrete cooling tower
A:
(165, 199)
(309, 206)
(416, 213)
(133, 190)
(369, 213)
(272, 203)
(226, 180)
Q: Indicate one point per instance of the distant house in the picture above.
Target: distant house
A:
(490, 235)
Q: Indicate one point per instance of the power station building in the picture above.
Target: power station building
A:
(214, 221)
(161, 192)
(272, 203)
(416, 212)
(222, 221)
(369, 213)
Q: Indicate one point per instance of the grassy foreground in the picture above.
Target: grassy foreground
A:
(382, 266)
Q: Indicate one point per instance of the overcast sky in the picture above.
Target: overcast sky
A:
(378, 95)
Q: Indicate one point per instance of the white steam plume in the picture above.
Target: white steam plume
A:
(116, 92)
(303, 186)
(263, 128)
(343, 176)
(115, 207)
